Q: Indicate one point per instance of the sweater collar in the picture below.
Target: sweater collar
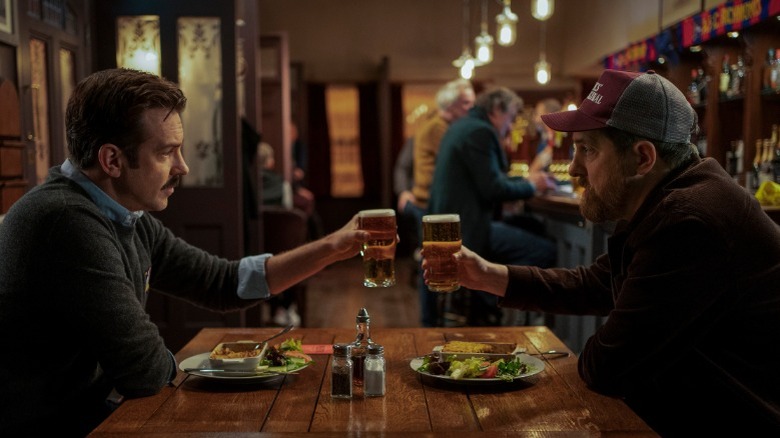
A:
(108, 206)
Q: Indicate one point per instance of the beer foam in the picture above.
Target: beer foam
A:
(441, 218)
(382, 212)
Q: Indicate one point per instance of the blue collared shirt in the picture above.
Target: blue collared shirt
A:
(252, 283)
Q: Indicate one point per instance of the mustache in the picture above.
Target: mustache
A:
(173, 182)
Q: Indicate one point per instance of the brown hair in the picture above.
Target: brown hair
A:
(107, 107)
(500, 98)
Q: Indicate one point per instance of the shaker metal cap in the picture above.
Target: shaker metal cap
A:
(342, 350)
(362, 315)
(375, 349)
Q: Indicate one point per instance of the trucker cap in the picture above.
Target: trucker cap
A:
(644, 104)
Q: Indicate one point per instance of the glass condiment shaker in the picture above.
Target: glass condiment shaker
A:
(341, 371)
(360, 346)
(375, 371)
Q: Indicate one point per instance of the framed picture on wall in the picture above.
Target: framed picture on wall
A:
(6, 17)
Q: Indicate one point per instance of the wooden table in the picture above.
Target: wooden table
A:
(549, 403)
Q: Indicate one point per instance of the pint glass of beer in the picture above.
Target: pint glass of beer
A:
(379, 251)
(441, 239)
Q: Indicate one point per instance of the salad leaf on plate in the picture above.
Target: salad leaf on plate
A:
(473, 367)
(286, 357)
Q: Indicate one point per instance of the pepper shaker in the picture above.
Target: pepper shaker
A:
(341, 371)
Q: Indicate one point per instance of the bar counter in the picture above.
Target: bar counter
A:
(553, 402)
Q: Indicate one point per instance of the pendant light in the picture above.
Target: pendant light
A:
(542, 9)
(465, 62)
(506, 31)
(542, 68)
(484, 42)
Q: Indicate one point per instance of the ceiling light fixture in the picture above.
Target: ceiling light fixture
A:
(484, 42)
(542, 68)
(507, 26)
(542, 9)
(465, 62)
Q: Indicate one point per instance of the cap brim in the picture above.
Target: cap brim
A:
(572, 121)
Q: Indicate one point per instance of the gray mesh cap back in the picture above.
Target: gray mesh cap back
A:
(644, 104)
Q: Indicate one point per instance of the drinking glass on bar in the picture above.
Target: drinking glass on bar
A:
(441, 239)
(379, 251)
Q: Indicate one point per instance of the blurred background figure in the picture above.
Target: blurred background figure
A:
(454, 100)
(403, 182)
(277, 191)
(546, 137)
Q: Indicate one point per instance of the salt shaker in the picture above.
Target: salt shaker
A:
(341, 371)
(374, 371)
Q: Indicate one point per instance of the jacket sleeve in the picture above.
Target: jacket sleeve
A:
(578, 291)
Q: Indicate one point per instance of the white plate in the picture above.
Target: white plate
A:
(202, 361)
(537, 366)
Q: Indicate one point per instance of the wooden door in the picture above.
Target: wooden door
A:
(52, 54)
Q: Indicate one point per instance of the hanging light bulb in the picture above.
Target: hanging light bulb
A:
(484, 50)
(507, 26)
(542, 9)
(484, 42)
(465, 62)
(467, 69)
(542, 69)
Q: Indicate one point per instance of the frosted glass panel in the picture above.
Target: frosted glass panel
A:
(200, 77)
(138, 43)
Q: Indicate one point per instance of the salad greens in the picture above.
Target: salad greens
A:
(473, 367)
(285, 357)
(291, 345)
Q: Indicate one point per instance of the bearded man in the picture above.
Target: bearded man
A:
(690, 282)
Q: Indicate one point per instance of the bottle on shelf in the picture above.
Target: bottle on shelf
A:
(766, 80)
(703, 80)
(774, 143)
(775, 73)
(725, 76)
(766, 163)
(737, 78)
(360, 346)
(694, 96)
(755, 171)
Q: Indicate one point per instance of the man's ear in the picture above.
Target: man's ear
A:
(109, 157)
(646, 157)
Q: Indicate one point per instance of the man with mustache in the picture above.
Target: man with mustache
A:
(79, 253)
(691, 280)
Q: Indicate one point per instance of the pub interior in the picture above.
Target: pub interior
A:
(336, 87)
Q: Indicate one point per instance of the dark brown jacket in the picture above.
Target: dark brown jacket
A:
(692, 290)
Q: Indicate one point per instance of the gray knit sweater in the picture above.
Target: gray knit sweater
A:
(73, 287)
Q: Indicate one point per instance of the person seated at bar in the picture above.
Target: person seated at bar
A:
(545, 136)
(690, 279)
(80, 253)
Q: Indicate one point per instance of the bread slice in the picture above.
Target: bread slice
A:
(478, 347)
